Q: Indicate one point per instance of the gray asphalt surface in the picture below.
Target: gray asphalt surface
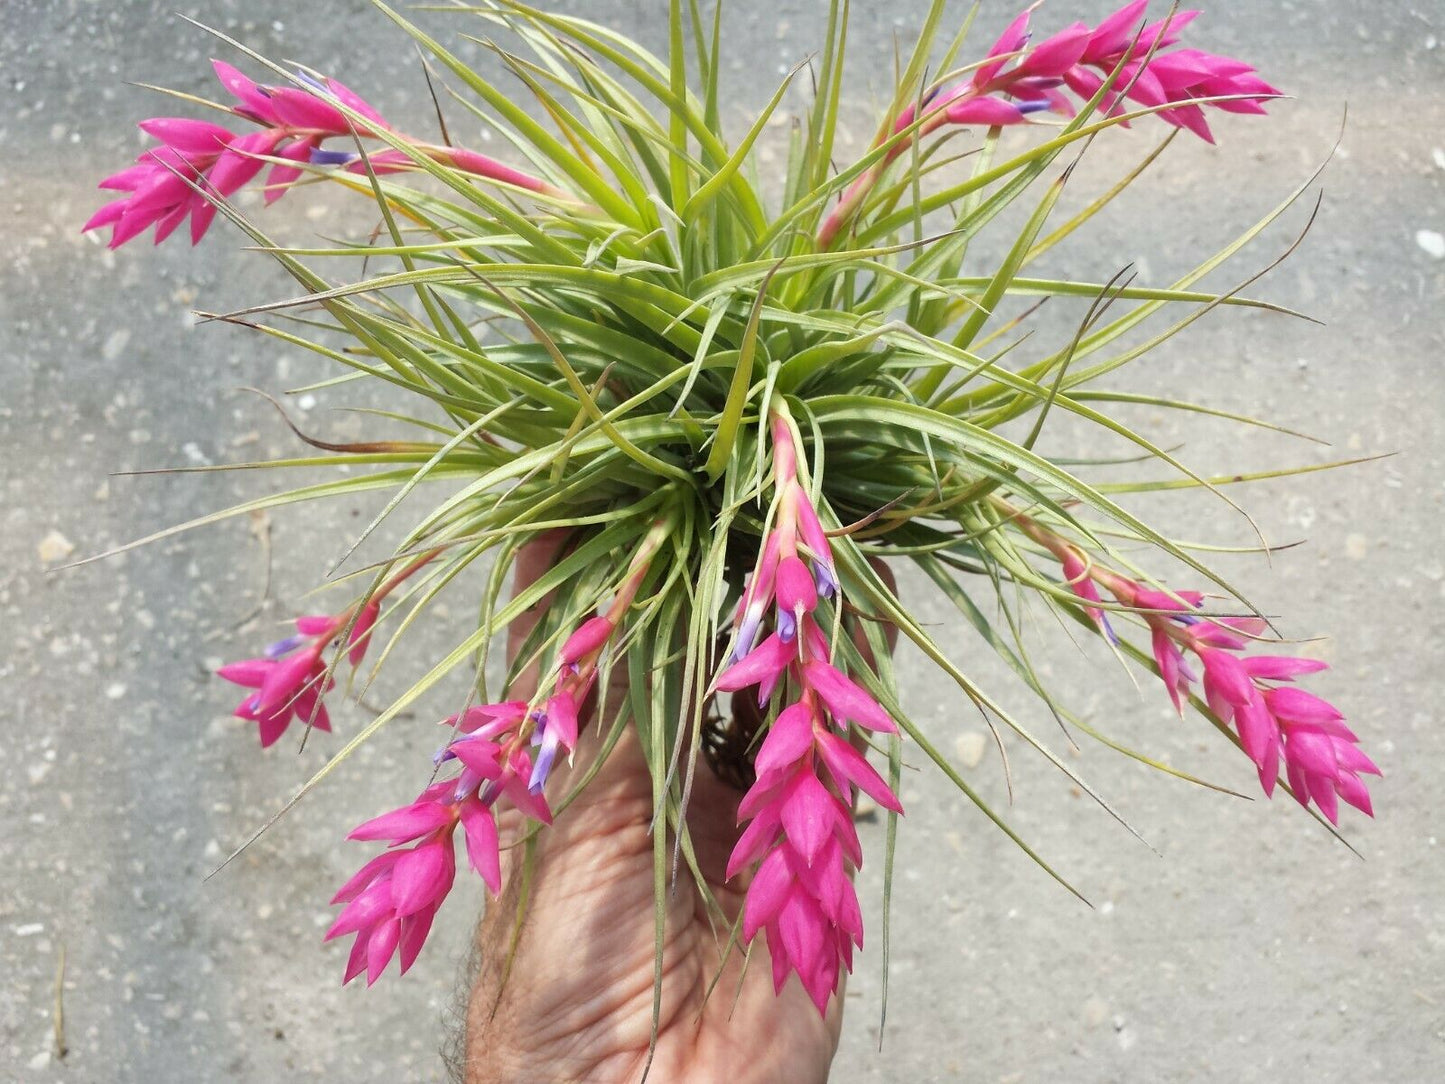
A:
(1251, 948)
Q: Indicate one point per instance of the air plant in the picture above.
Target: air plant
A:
(731, 396)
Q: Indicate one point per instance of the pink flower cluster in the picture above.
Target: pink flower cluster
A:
(199, 163)
(1276, 721)
(290, 676)
(800, 806)
(1012, 84)
(1080, 58)
(391, 900)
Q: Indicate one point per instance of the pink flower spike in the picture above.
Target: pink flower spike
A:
(414, 929)
(562, 719)
(1056, 55)
(515, 777)
(366, 909)
(1258, 731)
(846, 700)
(390, 901)
(271, 728)
(380, 947)
(245, 91)
(164, 191)
(422, 876)
(1353, 758)
(795, 590)
(588, 638)
(1321, 759)
(756, 838)
(311, 711)
(479, 165)
(250, 673)
(300, 109)
(360, 638)
(363, 877)
(763, 664)
(356, 962)
(993, 112)
(806, 814)
(1010, 41)
(1076, 573)
(788, 738)
(189, 136)
(816, 539)
(106, 216)
(1313, 750)
(1166, 35)
(405, 824)
(1297, 706)
(282, 177)
(285, 681)
(1113, 34)
(851, 767)
(1168, 658)
(479, 756)
(355, 102)
(767, 894)
(1353, 791)
(1177, 602)
(1227, 674)
(482, 846)
(318, 624)
(490, 720)
(1281, 667)
(239, 164)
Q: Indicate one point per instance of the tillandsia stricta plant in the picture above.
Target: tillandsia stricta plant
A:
(730, 398)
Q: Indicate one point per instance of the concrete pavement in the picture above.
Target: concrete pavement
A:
(1251, 948)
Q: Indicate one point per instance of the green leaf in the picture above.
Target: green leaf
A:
(725, 440)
